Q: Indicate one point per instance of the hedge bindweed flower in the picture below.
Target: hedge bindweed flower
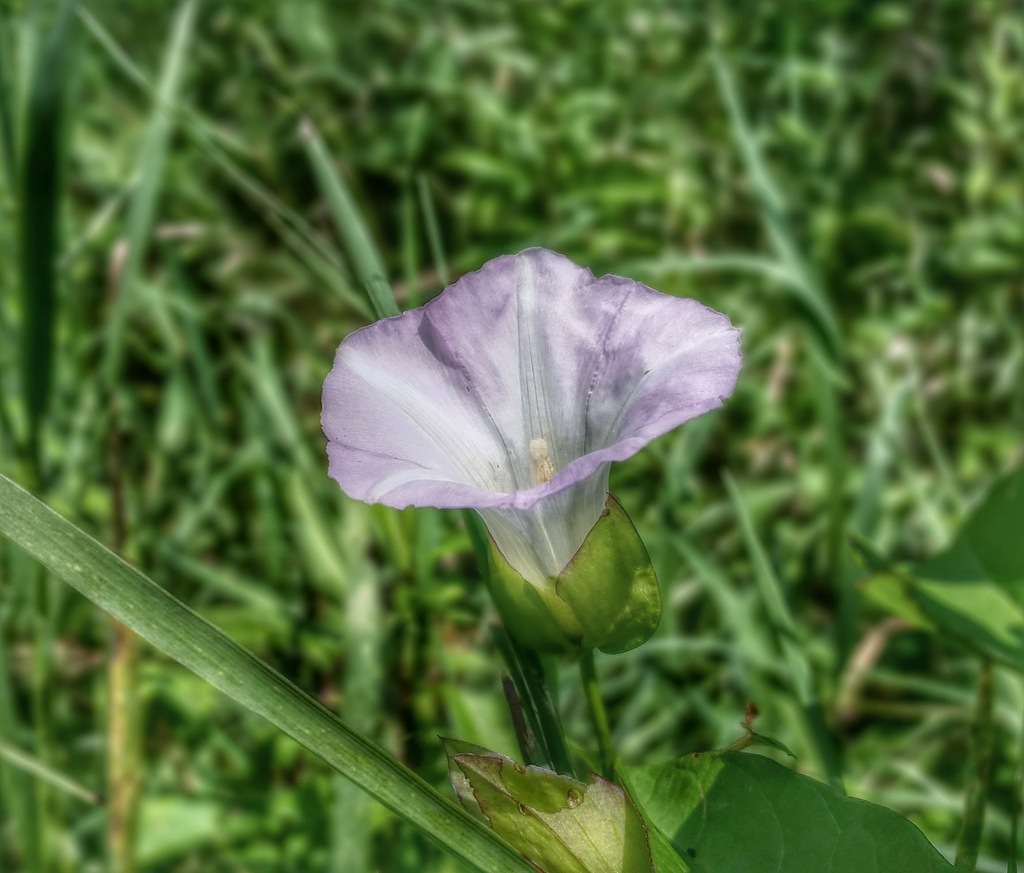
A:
(513, 391)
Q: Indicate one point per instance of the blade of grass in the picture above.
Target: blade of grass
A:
(409, 236)
(433, 228)
(150, 171)
(40, 204)
(726, 263)
(800, 671)
(363, 255)
(29, 764)
(176, 630)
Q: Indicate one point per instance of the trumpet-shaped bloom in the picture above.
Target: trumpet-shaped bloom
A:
(513, 391)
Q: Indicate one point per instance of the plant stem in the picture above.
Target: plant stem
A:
(598, 714)
(981, 768)
(123, 759)
(544, 743)
(124, 726)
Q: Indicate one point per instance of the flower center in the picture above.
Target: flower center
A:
(542, 467)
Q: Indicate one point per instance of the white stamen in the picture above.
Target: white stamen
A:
(541, 465)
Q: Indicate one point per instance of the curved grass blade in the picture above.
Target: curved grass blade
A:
(363, 254)
(176, 630)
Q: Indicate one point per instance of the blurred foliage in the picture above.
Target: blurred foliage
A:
(892, 133)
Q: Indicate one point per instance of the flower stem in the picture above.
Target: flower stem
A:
(598, 715)
(538, 725)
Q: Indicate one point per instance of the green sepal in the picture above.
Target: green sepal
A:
(606, 598)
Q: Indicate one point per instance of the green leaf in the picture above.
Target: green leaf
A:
(173, 628)
(991, 541)
(735, 813)
(559, 824)
(973, 592)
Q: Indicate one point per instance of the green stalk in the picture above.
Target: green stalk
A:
(39, 199)
(544, 744)
(176, 630)
(982, 734)
(598, 714)
(410, 248)
(42, 648)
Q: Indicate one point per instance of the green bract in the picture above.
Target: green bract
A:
(559, 824)
(606, 598)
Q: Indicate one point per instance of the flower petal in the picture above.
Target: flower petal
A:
(438, 406)
(402, 424)
(520, 382)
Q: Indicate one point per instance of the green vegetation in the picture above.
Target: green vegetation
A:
(199, 200)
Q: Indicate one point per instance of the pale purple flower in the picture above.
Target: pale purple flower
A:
(513, 391)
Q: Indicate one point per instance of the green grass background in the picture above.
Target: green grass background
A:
(844, 179)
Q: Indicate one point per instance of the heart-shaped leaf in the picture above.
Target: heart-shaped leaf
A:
(736, 813)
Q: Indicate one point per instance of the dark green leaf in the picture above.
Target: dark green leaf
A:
(737, 813)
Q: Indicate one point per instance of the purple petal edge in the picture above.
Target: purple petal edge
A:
(353, 467)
